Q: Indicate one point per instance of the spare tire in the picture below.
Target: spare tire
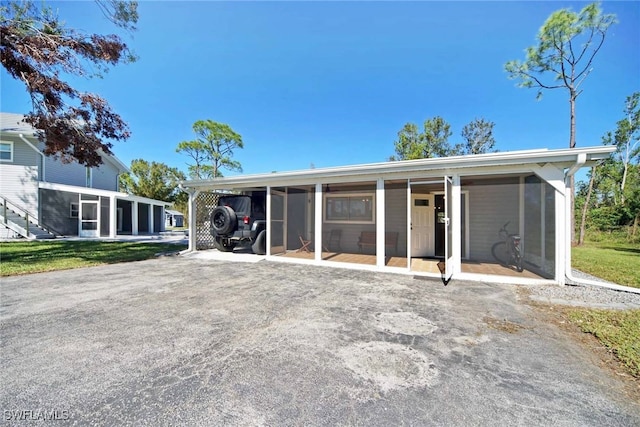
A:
(223, 220)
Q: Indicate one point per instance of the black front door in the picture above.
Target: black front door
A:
(439, 225)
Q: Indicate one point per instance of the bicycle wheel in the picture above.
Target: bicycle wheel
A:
(518, 262)
(500, 253)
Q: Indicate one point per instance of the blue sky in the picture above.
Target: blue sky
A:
(331, 83)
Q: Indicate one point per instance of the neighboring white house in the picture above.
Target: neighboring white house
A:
(43, 197)
(409, 216)
(174, 218)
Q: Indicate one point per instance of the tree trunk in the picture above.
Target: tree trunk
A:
(624, 180)
(583, 219)
(572, 144)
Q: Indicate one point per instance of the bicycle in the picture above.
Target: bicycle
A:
(508, 252)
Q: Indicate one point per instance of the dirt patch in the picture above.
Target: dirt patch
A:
(389, 366)
(503, 325)
(406, 323)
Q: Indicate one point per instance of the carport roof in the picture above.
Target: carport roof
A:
(563, 158)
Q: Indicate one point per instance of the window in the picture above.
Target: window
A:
(6, 151)
(74, 210)
(356, 208)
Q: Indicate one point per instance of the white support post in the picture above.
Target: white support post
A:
(79, 214)
(317, 233)
(268, 221)
(563, 233)
(409, 226)
(150, 215)
(543, 228)
(113, 216)
(193, 194)
(521, 188)
(555, 177)
(134, 218)
(456, 229)
(380, 224)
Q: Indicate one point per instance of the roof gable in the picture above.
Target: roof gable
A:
(11, 123)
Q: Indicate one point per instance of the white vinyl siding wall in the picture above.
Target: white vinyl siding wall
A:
(19, 178)
(19, 184)
(23, 155)
(65, 173)
(105, 177)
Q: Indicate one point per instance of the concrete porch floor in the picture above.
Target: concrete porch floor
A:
(419, 265)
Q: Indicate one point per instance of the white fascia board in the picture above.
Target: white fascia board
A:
(140, 199)
(103, 193)
(115, 161)
(77, 189)
(406, 169)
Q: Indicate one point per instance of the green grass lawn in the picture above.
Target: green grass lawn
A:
(612, 257)
(617, 330)
(616, 261)
(38, 256)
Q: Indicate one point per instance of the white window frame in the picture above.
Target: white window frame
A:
(346, 195)
(72, 210)
(10, 159)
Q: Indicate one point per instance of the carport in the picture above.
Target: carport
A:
(435, 217)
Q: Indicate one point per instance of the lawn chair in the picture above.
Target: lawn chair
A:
(305, 244)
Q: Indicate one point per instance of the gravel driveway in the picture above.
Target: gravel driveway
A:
(188, 341)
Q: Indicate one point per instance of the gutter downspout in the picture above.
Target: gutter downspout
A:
(37, 151)
(580, 161)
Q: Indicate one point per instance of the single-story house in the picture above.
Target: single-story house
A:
(42, 197)
(173, 218)
(436, 217)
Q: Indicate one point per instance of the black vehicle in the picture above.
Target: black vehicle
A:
(240, 220)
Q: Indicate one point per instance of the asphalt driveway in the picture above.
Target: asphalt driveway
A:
(187, 341)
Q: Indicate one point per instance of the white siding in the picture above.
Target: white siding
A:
(105, 177)
(65, 173)
(23, 155)
(19, 184)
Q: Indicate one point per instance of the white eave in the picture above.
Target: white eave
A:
(115, 161)
(562, 158)
(103, 193)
